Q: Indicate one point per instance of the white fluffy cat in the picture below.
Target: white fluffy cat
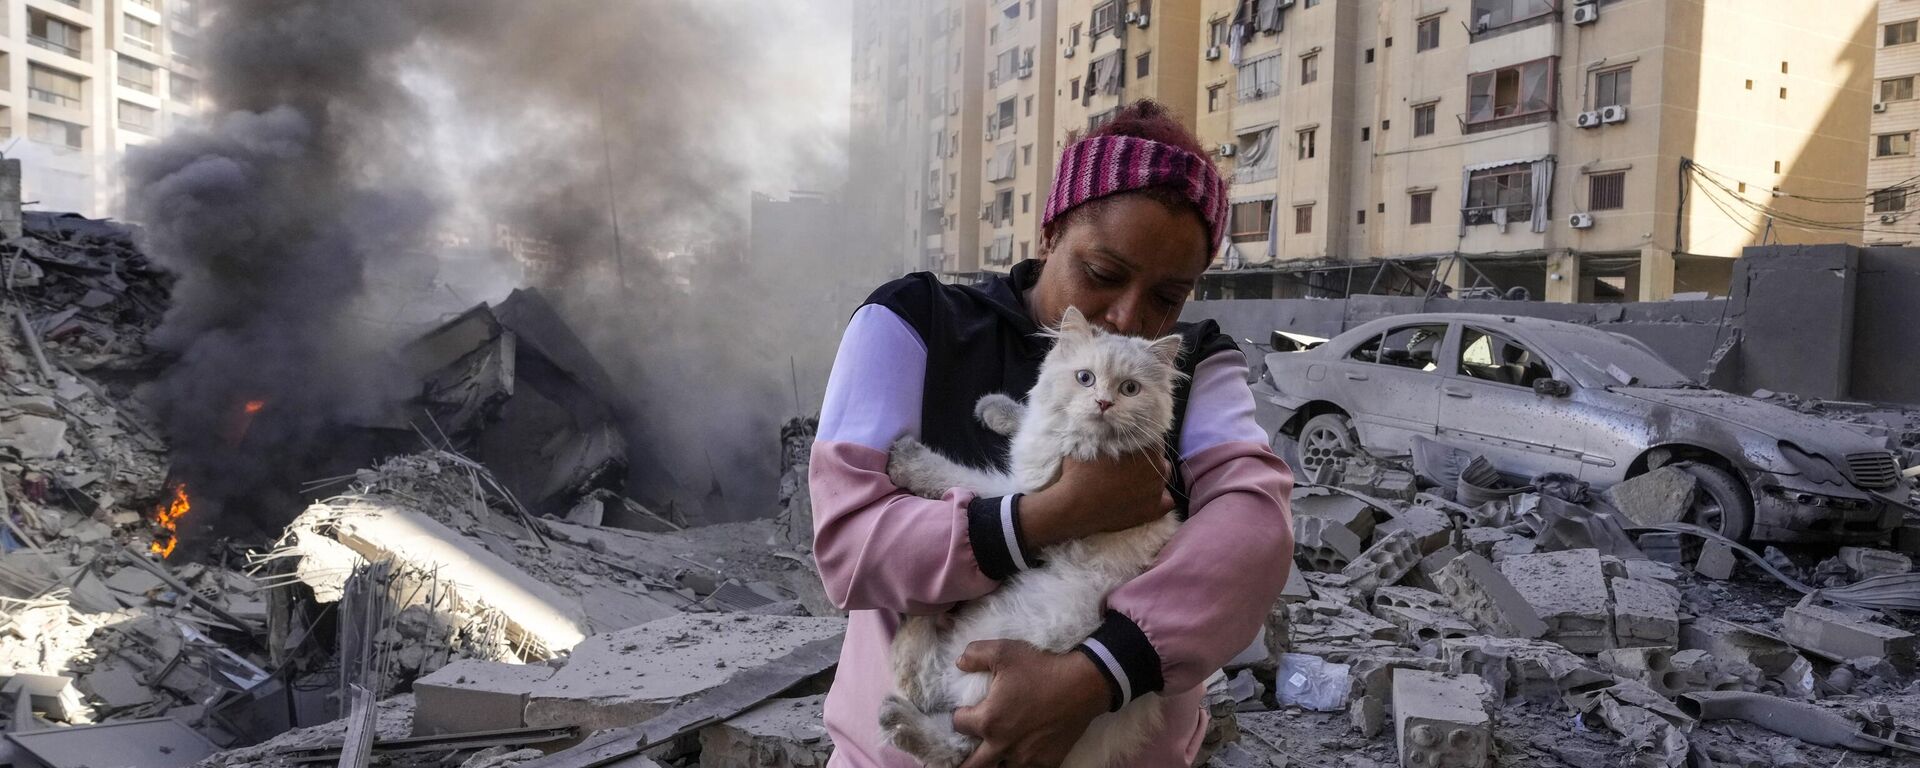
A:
(1097, 395)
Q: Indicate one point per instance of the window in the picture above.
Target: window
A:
(1369, 56)
(53, 86)
(1305, 140)
(1423, 120)
(1309, 68)
(1415, 346)
(1884, 200)
(1387, 43)
(1420, 208)
(1258, 79)
(1516, 91)
(1310, 3)
(1893, 144)
(1073, 36)
(1140, 65)
(1217, 31)
(1106, 16)
(1006, 114)
(1302, 219)
(1896, 89)
(1385, 124)
(1493, 14)
(1360, 216)
(1252, 221)
(1026, 155)
(1026, 202)
(140, 33)
(53, 34)
(1899, 32)
(1498, 359)
(1426, 35)
(1613, 87)
(1076, 87)
(1213, 97)
(137, 75)
(183, 89)
(134, 117)
(50, 131)
(1003, 204)
(1607, 191)
(1029, 106)
(1366, 133)
(1496, 195)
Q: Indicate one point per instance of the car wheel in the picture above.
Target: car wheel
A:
(1324, 439)
(1721, 502)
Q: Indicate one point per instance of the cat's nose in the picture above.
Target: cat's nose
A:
(1104, 405)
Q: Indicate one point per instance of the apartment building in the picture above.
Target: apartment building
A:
(1018, 110)
(1572, 151)
(1892, 168)
(1114, 52)
(82, 80)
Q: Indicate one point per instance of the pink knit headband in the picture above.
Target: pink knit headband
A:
(1104, 165)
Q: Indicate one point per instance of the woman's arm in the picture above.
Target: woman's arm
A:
(1209, 591)
(877, 546)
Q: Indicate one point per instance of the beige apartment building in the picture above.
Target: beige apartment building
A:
(1114, 52)
(1572, 151)
(1892, 168)
(82, 80)
(1018, 109)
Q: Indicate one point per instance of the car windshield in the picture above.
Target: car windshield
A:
(1607, 358)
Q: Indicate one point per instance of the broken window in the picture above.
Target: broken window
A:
(1257, 160)
(1516, 91)
(1003, 202)
(1607, 191)
(1423, 120)
(1252, 220)
(1893, 144)
(1413, 346)
(1612, 87)
(1499, 195)
(1896, 88)
(1427, 35)
(1492, 357)
(1899, 32)
(1258, 79)
(1893, 200)
(1000, 166)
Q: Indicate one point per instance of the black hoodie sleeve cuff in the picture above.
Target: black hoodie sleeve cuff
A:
(993, 529)
(1125, 658)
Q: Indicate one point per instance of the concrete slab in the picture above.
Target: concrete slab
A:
(1836, 636)
(1568, 591)
(1481, 595)
(782, 733)
(116, 685)
(472, 695)
(1645, 613)
(624, 677)
(34, 437)
(1441, 720)
(1660, 496)
(155, 743)
(1384, 563)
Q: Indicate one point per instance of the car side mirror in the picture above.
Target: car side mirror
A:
(1552, 387)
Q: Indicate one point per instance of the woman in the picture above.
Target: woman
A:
(1135, 213)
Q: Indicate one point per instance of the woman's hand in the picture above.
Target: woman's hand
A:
(1037, 707)
(1107, 494)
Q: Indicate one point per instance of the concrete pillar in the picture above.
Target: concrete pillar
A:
(1563, 277)
(1656, 273)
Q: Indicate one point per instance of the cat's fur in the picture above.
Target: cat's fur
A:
(1060, 603)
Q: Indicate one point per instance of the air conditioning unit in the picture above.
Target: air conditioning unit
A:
(1588, 120)
(1888, 218)
(1068, 53)
(1213, 54)
(1586, 14)
(1286, 3)
(1142, 21)
(1132, 17)
(1227, 150)
(1613, 113)
(1879, 106)
(1580, 220)
(1023, 72)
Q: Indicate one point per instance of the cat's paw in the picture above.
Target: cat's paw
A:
(999, 413)
(912, 466)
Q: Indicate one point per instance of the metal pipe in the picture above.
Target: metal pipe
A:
(1805, 722)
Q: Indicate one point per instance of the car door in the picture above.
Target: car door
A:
(1392, 383)
(1488, 405)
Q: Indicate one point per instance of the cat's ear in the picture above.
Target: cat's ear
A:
(1167, 348)
(1072, 323)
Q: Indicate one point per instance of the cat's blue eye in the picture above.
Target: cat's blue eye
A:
(1129, 388)
(1084, 376)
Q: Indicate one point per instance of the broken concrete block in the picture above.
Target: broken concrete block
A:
(1346, 510)
(34, 437)
(1441, 720)
(1384, 563)
(1483, 540)
(1323, 545)
(782, 733)
(621, 678)
(1645, 613)
(1514, 547)
(1372, 691)
(1423, 624)
(1568, 591)
(1648, 570)
(1431, 528)
(117, 686)
(1866, 563)
(1834, 635)
(1660, 496)
(1296, 588)
(1716, 561)
(1409, 597)
(1422, 575)
(472, 695)
(1670, 548)
(1481, 595)
(1739, 644)
(1668, 673)
(52, 696)
(1535, 670)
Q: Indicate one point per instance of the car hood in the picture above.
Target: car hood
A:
(1809, 432)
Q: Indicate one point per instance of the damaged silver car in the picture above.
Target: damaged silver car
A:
(1536, 396)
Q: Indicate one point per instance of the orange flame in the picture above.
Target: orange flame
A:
(254, 406)
(167, 517)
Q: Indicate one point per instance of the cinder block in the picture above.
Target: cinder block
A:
(1835, 635)
(1657, 497)
(1569, 592)
(1645, 613)
(1409, 597)
(1384, 563)
(1422, 575)
(1536, 670)
(1431, 528)
(1346, 510)
(1423, 624)
(1372, 693)
(1716, 561)
(1738, 644)
(1323, 545)
(1441, 720)
(472, 695)
(1481, 595)
(1483, 540)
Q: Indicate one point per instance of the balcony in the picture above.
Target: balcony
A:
(1251, 175)
(1257, 92)
(53, 98)
(41, 42)
(143, 87)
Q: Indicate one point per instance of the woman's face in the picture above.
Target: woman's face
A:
(1128, 267)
